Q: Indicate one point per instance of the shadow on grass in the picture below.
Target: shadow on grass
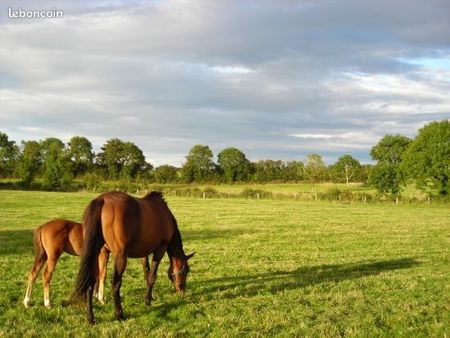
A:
(278, 281)
(15, 242)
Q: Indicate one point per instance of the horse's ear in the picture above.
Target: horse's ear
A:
(190, 255)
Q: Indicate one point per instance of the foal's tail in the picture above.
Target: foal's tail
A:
(92, 244)
(39, 251)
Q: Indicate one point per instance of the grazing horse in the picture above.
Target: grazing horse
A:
(50, 241)
(130, 227)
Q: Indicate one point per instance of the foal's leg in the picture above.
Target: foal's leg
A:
(151, 277)
(120, 263)
(47, 275)
(102, 265)
(37, 266)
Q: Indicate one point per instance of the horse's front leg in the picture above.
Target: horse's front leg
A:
(120, 263)
(151, 277)
(146, 268)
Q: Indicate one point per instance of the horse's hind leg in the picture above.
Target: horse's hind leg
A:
(39, 261)
(120, 263)
(151, 277)
(47, 275)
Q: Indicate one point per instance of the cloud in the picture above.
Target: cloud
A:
(283, 78)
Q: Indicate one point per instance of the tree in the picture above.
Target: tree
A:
(166, 174)
(385, 178)
(199, 165)
(8, 156)
(111, 157)
(315, 169)
(363, 174)
(386, 175)
(427, 160)
(30, 161)
(390, 149)
(293, 171)
(121, 159)
(346, 169)
(268, 170)
(234, 164)
(81, 154)
(57, 167)
(133, 160)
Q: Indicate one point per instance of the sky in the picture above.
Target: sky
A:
(277, 79)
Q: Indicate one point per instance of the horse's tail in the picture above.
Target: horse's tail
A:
(92, 244)
(39, 251)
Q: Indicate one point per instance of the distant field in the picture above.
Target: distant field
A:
(289, 187)
(262, 268)
(299, 191)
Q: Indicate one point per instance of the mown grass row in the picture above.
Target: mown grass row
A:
(263, 267)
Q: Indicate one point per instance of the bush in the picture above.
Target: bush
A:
(332, 194)
(255, 193)
(209, 192)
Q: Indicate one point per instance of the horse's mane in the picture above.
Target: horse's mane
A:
(155, 196)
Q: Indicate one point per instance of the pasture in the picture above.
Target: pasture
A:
(262, 268)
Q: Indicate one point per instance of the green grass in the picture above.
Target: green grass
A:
(262, 268)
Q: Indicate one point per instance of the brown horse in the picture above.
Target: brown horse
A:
(50, 241)
(130, 227)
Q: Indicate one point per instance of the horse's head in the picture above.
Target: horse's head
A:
(178, 271)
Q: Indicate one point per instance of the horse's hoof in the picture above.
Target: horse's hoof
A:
(26, 304)
(48, 306)
(120, 317)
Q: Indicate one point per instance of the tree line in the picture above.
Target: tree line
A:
(55, 165)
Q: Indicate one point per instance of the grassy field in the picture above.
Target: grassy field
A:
(262, 268)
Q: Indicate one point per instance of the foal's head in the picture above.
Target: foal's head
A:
(178, 271)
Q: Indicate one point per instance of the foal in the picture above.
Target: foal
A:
(50, 241)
